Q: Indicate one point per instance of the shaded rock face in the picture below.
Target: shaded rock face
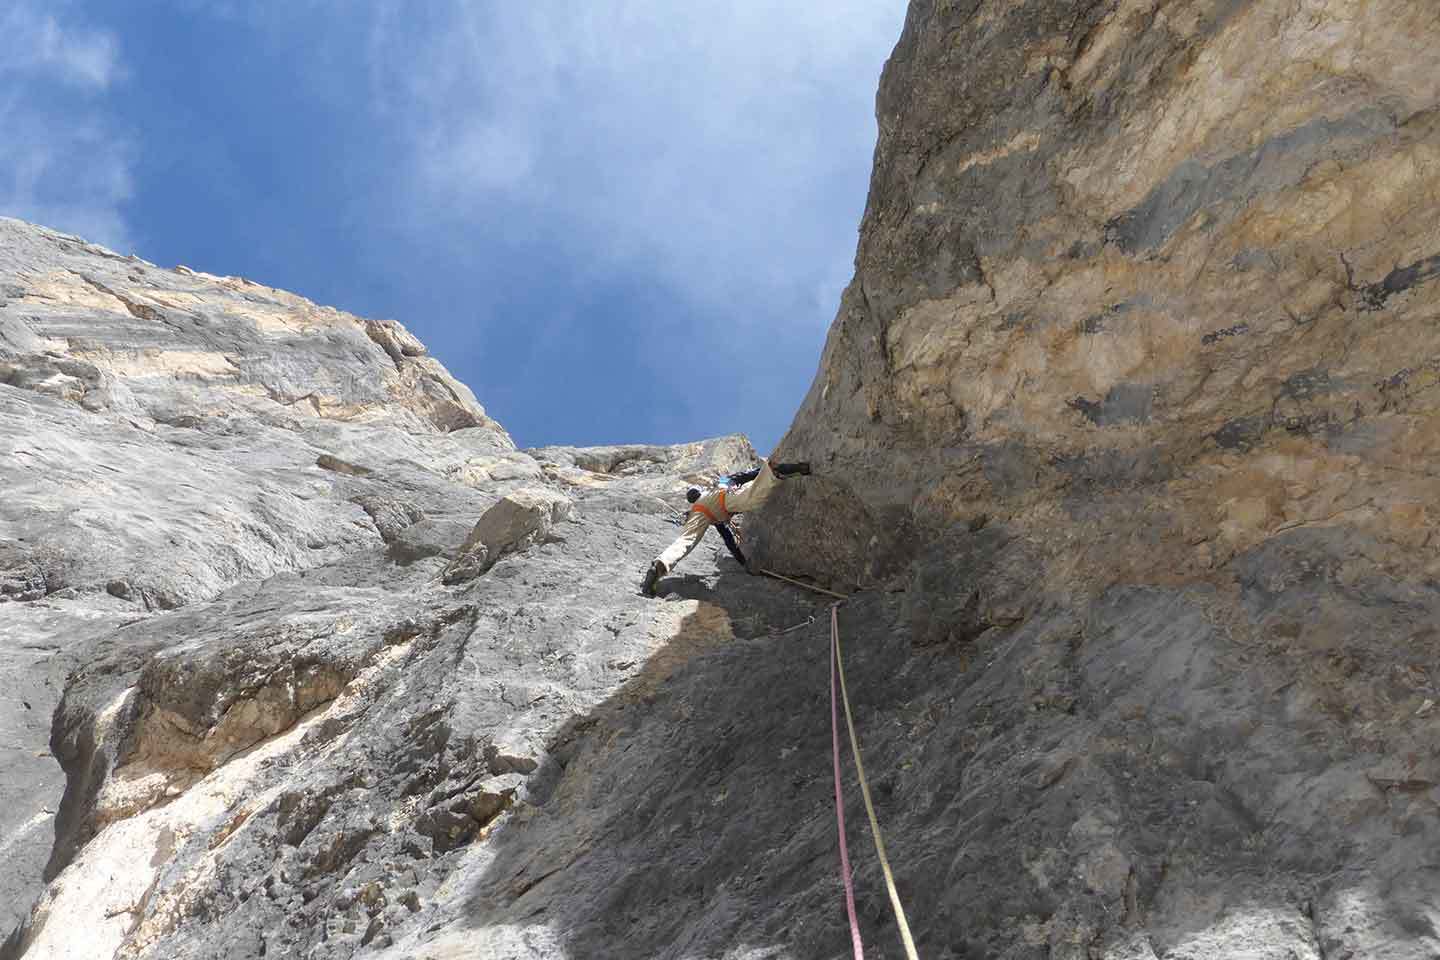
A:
(1131, 402)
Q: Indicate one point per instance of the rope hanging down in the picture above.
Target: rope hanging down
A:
(838, 662)
(855, 946)
(808, 586)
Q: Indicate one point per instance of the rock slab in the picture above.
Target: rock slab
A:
(1131, 400)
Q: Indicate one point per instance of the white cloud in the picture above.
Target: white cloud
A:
(32, 41)
(61, 162)
(717, 147)
(481, 157)
(714, 146)
(65, 174)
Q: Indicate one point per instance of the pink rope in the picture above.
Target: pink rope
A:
(839, 800)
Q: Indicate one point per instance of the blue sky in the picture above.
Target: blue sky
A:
(617, 220)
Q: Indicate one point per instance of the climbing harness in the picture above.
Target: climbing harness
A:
(697, 508)
(837, 664)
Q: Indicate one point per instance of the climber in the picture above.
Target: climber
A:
(745, 491)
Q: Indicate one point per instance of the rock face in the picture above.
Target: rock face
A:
(228, 521)
(1134, 397)
(1125, 437)
(164, 437)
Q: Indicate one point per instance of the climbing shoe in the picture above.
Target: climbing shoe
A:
(647, 586)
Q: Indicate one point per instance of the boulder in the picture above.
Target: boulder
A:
(519, 521)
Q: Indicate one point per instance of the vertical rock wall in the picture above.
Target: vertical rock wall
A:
(1186, 250)
(1135, 399)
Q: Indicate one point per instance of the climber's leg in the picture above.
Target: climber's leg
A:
(653, 573)
(690, 535)
(751, 495)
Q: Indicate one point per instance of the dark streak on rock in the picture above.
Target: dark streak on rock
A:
(1217, 335)
(334, 464)
(1242, 433)
(1115, 469)
(1306, 385)
(1096, 323)
(1374, 296)
(1125, 403)
(1276, 164)
(1090, 408)
(1398, 388)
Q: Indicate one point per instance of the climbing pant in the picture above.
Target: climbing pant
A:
(717, 506)
(750, 495)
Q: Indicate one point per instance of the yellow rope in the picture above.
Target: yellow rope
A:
(807, 586)
(865, 792)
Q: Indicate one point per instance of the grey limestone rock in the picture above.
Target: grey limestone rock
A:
(251, 717)
(429, 538)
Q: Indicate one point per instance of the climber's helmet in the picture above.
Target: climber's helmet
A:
(692, 494)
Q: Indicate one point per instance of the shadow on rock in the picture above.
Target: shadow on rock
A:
(1115, 777)
(690, 812)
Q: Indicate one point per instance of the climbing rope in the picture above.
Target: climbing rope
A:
(855, 946)
(838, 670)
(807, 586)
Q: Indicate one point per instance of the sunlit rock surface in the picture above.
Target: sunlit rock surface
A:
(277, 729)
